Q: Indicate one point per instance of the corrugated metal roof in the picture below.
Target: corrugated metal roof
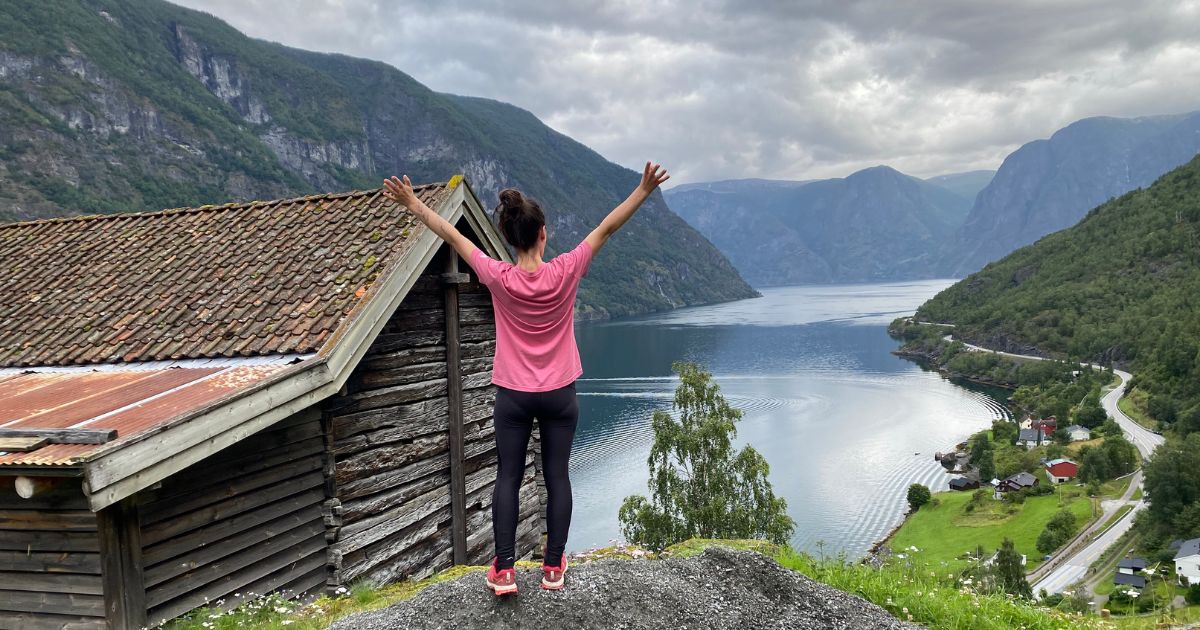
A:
(130, 398)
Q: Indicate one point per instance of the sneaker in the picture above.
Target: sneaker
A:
(552, 577)
(501, 581)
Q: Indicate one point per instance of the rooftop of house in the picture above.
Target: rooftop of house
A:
(129, 324)
(1055, 462)
(1078, 427)
(1022, 478)
(1125, 579)
(1188, 548)
(237, 280)
(1132, 563)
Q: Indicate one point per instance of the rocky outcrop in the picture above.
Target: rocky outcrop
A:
(719, 589)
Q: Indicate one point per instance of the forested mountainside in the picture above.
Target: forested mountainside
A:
(876, 224)
(1122, 286)
(123, 105)
(1048, 185)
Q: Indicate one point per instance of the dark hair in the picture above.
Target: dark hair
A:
(519, 219)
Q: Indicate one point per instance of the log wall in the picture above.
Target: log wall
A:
(389, 514)
(49, 559)
(246, 520)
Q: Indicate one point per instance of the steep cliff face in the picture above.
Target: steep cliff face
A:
(118, 105)
(876, 224)
(1049, 185)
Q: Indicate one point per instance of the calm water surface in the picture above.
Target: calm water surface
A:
(845, 425)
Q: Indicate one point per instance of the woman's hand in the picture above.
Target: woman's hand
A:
(652, 176)
(400, 191)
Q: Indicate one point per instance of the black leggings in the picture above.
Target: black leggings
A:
(557, 413)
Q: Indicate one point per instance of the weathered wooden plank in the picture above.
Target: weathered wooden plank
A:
(242, 485)
(56, 603)
(348, 425)
(202, 480)
(66, 494)
(391, 456)
(124, 592)
(403, 358)
(355, 509)
(21, 444)
(59, 521)
(260, 577)
(407, 375)
(379, 526)
(233, 506)
(166, 561)
(479, 350)
(48, 621)
(301, 541)
(22, 541)
(63, 436)
(213, 533)
(50, 561)
(387, 396)
(12, 580)
(392, 554)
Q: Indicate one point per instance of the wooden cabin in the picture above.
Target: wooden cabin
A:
(202, 403)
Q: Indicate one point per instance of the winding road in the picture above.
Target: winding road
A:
(1070, 564)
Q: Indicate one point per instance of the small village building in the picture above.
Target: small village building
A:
(1187, 562)
(1061, 470)
(271, 396)
(963, 483)
(1033, 437)
(1079, 433)
(1131, 566)
(1048, 425)
(1015, 483)
(1130, 580)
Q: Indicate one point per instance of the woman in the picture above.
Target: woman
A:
(536, 360)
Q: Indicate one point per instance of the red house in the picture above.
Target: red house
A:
(1048, 424)
(1060, 470)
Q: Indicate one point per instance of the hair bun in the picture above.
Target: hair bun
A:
(511, 198)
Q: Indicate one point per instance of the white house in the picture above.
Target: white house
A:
(1187, 562)
(1079, 433)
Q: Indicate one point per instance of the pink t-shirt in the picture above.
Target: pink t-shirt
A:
(535, 319)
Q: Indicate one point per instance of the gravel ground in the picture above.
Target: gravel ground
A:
(717, 589)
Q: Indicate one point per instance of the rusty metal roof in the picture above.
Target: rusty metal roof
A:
(130, 398)
(238, 280)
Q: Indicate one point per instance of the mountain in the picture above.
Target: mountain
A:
(121, 105)
(967, 184)
(1123, 285)
(1048, 185)
(876, 224)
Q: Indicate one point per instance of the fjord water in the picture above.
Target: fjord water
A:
(845, 425)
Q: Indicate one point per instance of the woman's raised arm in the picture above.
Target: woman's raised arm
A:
(652, 176)
(401, 191)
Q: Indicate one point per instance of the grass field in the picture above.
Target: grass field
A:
(1133, 405)
(946, 531)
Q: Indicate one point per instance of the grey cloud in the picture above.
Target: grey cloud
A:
(724, 89)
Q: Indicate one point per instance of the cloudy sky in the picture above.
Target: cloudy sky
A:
(782, 89)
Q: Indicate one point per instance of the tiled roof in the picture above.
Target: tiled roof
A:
(273, 277)
(1188, 548)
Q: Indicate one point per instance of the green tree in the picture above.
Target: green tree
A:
(987, 466)
(700, 486)
(1010, 572)
(918, 495)
(1057, 532)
